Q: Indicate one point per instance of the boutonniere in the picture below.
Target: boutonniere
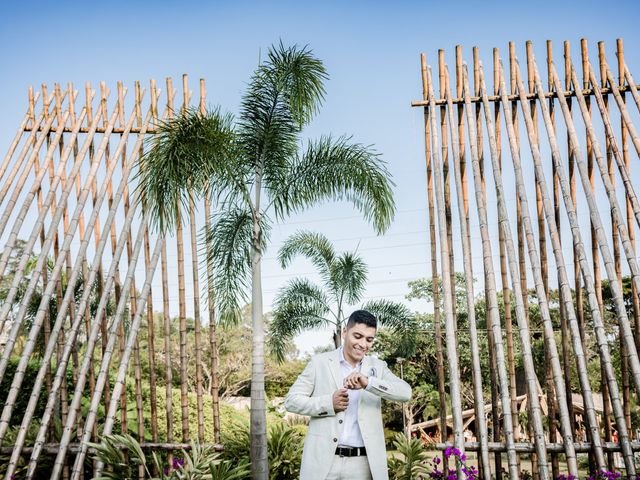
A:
(372, 373)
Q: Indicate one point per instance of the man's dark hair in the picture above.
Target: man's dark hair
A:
(362, 316)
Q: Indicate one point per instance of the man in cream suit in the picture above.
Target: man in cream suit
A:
(341, 391)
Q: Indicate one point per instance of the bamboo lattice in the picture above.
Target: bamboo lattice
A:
(73, 233)
(524, 148)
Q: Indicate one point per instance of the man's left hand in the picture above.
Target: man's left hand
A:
(356, 381)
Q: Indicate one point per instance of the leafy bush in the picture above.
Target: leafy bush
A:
(411, 461)
(285, 452)
(123, 456)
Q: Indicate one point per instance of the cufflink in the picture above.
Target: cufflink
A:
(382, 387)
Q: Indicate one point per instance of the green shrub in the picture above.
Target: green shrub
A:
(410, 462)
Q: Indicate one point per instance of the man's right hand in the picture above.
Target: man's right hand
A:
(340, 400)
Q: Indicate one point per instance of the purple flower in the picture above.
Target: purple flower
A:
(437, 460)
(178, 463)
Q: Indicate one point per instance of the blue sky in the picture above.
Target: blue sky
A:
(371, 50)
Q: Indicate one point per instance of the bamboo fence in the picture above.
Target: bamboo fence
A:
(528, 147)
(80, 269)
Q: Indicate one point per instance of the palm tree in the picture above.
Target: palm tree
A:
(256, 173)
(301, 305)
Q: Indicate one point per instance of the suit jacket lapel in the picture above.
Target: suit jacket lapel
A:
(336, 369)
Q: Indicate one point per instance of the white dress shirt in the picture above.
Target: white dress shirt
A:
(351, 435)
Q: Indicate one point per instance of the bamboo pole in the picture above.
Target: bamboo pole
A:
(182, 310)
(446, 186)
(492, 300)
(165, 307)
(633, 87)
(196, 290)
(150, 320)
(628, 123)
(434, 259)
(506, 292)
(454, 373)
(214, 391)
(468, 273)
(564, 327)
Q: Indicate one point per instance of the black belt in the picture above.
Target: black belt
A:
(351, 451)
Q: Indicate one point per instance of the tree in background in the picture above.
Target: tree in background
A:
(302, 305)
(256, 174)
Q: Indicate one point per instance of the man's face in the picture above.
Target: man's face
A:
(358, 339)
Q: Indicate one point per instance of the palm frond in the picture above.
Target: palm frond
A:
(284, 93)
(227, 245)
(315, 246)
(349, 275)
(300, 76)
(299, 306)
(399, 319)
(184, 154)
(337, 169)
(229, 470)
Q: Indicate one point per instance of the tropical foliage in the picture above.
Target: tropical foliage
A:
(302, 305)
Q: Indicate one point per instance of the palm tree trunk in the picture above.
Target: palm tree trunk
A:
(481, 422)
(492, 299)
(258, 431)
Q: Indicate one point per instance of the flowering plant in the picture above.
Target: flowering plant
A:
(469, 472)
(605, 475)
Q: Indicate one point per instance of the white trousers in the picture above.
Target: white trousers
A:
(349, 468)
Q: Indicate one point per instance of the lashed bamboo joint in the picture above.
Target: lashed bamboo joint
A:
(580, 290)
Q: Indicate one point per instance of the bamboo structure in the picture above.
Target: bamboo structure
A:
(583, 320)
(70, 222)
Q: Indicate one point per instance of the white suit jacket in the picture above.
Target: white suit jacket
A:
(312, 395)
